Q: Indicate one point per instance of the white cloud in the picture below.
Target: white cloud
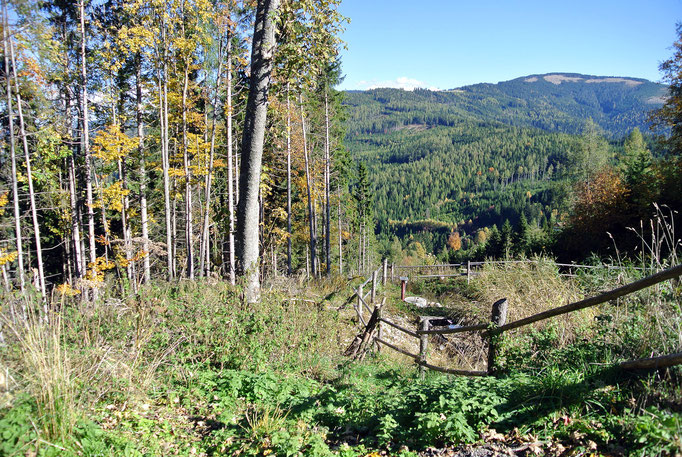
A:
(402, 82)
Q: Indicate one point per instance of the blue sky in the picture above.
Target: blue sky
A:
(445, 44)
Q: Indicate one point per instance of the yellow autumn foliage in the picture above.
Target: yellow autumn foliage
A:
(4, 199)
(8, 257)
(96, 270)
(111, 145)
(67, 290)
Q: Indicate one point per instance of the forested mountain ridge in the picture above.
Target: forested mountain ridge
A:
(473, 157)
(555, 102)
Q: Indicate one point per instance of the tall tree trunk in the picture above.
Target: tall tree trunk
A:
(252, 144)
(308, 185)
(85, 140)
(288, 183)
(165, 152)
(127, 234)
(338, 187)
(73, 199)
(327, 170)
(188, 179)
(29, 176)
(230, 176)
(15, 185)
(205, 256)
(144, 216)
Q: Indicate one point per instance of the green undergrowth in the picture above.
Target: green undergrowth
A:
(189, 369)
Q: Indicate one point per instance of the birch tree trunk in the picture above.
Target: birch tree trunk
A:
(252, 144)
(165, 153)
(29, 175)
(85, 140)
(327, 169)
(73, 201)
(308, 183)
(143, 172)
(188, 180)
(205, 251)
(15, 185)
(230, 175)
(338, 189)
(288, 183)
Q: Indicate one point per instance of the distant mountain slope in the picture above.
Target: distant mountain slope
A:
(557, 102)
(477, 155)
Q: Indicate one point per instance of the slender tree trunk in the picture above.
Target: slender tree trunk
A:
(252, 144)
(15, 185)
(165, 152)
(127, 235)
(338, 187)
(308, 183)
(327, 171)
(360, 247)
(144, 216)
(105, 224)
(85, 140)
(73, 201)
(230, 175)
(29, 176)
(288, 183)
(205, 258)
(188, 180)
(174, 237)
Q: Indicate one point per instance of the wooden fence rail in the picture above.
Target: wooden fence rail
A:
(468, 269)
(498, 325)
(627, 289)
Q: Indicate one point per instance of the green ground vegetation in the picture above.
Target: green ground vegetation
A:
(188, 369)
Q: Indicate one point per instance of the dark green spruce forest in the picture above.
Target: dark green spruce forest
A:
(466, 161)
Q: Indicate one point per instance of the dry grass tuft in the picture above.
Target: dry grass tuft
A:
(47, 372)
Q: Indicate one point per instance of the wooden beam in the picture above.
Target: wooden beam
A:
(449, 331)
(446, 265)
(453, 371)
(643, 283)
(402, 329)
(395, 348)
(653, 362)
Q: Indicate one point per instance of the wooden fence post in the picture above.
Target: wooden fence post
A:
(392, 272)
(385, 273)
(498, 319)
(423, 344)
(468, 271)
(360, 297)
(374, 287)
(379, 325)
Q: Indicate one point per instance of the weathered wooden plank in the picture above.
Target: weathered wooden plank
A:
(446, 265)
(396, 348)
(653, 362)
(455, 275)
(449, 331)
(627, 289)
(453, 371)
(402, 329)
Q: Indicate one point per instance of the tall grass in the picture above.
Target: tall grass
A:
(47, 372)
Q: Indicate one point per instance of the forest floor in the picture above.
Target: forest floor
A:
(189, 369)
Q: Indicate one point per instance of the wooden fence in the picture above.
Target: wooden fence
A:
(496, 327)
(471, 269)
